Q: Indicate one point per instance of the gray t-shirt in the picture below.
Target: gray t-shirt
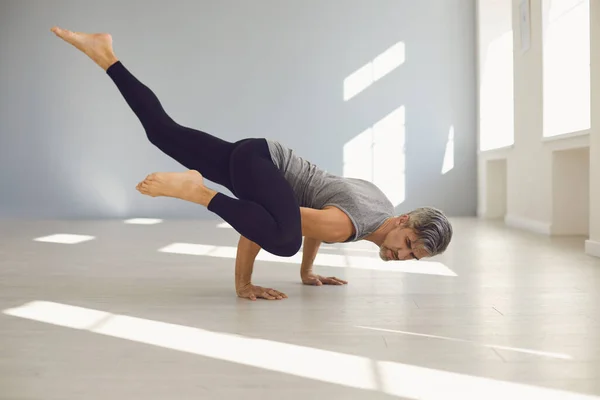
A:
(364, 203)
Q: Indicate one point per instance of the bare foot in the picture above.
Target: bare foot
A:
(187, 186)
(97, 46)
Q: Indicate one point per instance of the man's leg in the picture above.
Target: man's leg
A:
(194, 149)
(266, 212)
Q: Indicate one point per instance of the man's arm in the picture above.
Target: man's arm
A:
(309, 253)
(330, 224)
(247, 251)
(311, 247)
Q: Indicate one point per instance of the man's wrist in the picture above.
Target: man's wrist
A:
(242, 281)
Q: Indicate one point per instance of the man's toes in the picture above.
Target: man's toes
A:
(58, 31)
(64, 34)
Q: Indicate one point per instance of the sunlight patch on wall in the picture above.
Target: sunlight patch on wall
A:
(323, 260)
(373, 71)
(348, 370)
(448, 164)
(358, 156)
(389, 156)
(566, 66)
(378, 155)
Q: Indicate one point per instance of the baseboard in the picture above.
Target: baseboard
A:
(528, 224)
(484, 214)
(592, 248)
(560, 231)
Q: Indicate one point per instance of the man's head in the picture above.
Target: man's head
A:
(423, 232)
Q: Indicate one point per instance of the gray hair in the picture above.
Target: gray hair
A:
(432, 228)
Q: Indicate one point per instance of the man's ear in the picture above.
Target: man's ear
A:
(402, 219)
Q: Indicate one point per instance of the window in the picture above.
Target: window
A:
(496, 98)
(567, 96)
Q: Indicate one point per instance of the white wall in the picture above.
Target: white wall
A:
(71, 148)
(570, 192)
(495, 193)
(532, 158)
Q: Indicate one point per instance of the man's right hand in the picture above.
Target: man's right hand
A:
(246, 254)
(254, 292)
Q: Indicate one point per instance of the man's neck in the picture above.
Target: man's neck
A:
(380, 233)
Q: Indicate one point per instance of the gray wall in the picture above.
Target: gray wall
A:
(71, 148)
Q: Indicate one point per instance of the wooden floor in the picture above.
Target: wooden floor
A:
(149, 312)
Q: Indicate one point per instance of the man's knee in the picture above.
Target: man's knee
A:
(289, 244)
(158, 131)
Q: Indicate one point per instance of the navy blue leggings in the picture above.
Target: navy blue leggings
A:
(265, 211)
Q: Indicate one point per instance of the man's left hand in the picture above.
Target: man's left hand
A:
(318, 280)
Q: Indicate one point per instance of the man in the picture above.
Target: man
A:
(280, 197)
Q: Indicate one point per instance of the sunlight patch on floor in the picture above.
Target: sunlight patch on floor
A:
(143, 221)
(515, 349)
(323, 260)
(64, 238)
(389, 377)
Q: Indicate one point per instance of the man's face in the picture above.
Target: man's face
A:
(401, 244)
